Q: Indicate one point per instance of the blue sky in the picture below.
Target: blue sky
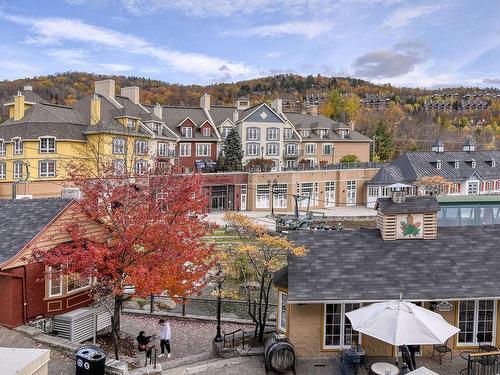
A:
(412, 43)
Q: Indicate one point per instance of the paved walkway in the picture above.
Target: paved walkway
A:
(58, 365)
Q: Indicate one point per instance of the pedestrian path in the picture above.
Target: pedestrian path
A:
(229, 366)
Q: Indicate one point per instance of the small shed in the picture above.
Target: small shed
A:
(21, 361)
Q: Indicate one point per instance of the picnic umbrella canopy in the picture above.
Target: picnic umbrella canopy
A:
(423, 371)
(401, 323)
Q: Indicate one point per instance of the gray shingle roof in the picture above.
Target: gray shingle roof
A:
(411, 166)
(23, 219)
(173, 116)
(219, 114)
(412, 205)
(354, 265)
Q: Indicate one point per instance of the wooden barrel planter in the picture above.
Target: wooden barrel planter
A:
(279, 354)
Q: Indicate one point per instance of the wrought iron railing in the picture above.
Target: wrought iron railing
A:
(485, 363)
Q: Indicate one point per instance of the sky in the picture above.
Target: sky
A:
(428, 43)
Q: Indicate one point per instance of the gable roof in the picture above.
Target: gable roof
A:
(220, 114)
(23, 219)
(411, 166)
(358, 265)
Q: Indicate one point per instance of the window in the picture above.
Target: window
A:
(323, 133)
(2, 171)
(327, 149)
(273, 149)
(344, 133)
(203, 149)
(438, 165)
(185, 149)
(18, 146)
(476, 320)
(118, 167)
(330, 194)
(47, 168)
(291, 149)
(130, 123)
(308, 189)
(75, 283)
(282, 297)
(162, 149)
(290, 163)
(338, 332)
(262, 196)
(310, 149)
(225, 132)
(473, 164)
(287, 134)
(493, 162)
(252, 149)
(141, 147)
(47, 145)
(454, 188)
(306, 133)
(18, 169)
(253, 134)
(156, 127)
(457, 165)
(2, 147)
(273, 134)
(140, 167)
(205, 131)
(373, 191)
(118, 146)
(280, 195)
(55, 284)
(351, 193)
(187, 131)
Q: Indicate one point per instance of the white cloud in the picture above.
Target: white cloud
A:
(59, 30)
(403, 16)
(308, 30)
(273, 55)
(116, 67)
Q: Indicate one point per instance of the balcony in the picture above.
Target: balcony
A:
(338, 166)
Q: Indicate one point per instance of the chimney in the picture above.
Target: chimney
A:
(277, 105)
(95, 110)
(131, 92)
(105, 88)
(28, 88)
(205, 102)
(242, 103)
(157, 110)
(18, 106)
(236, 116)
(312, 109)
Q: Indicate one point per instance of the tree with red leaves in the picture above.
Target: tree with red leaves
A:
(156, 225)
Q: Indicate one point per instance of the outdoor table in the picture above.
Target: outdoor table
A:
(487, 348)
(384, 368)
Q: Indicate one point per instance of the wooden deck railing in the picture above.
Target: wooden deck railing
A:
(485, 363)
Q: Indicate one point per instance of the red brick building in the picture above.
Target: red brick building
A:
(226, 191)
(26, 291)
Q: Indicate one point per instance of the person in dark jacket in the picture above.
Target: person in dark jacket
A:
(143, 344)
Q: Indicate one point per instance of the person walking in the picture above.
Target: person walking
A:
(165, 335)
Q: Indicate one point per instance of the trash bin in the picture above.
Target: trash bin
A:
(90, 360)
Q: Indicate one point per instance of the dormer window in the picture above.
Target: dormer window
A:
(493, 163)
(287, 133)
(2, 147)
(473, 164)
(306, 133)
(18, 146)
(457, 165)
(130, 123)
(344, 133)
(206, 132)
(187, 131)
(323, 133)
(438, 164)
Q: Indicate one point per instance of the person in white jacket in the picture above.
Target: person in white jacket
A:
(165, 335)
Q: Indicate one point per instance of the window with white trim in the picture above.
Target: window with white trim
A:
(118, 167)
(438, 165)
(310, 149)
(373, 191)
(273, 134)
(18, 169)
(252, 149)
(140, 167)
(310, 189)
(205, 131)
(55, 284)
(47, 168)
(162, 149)
(185, 149)
(306, 132)
(253, 134)
(187, 131)
(473, 164)
(282, 298)
(74, 283)
(327, 149)
(323, 133)
(18, 146)
(291, 149)
(280, 196)
(262, 196)
(330, 194)
(47, 145)
(454, 188)
(130, 123)
(3, 172)
(273, 149)
(338, 332)
(225, 131)
(119, 146)
(141, 147)
(457, 164)
(477, 322)
(2, 147)
(203, 149)
(287, 133)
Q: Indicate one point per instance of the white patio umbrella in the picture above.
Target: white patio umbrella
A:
(422, 371)
(401, 323)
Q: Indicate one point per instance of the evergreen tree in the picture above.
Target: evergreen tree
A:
(384, 143)
(233, 150)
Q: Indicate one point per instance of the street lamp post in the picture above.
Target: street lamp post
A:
(219, 278)
(272, 185)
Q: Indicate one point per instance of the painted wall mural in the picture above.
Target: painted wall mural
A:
(410, 226)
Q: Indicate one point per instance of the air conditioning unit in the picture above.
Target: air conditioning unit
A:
(77, 325)
(71, 193)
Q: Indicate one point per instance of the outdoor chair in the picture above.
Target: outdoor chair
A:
(485, 344)
(441, 350)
